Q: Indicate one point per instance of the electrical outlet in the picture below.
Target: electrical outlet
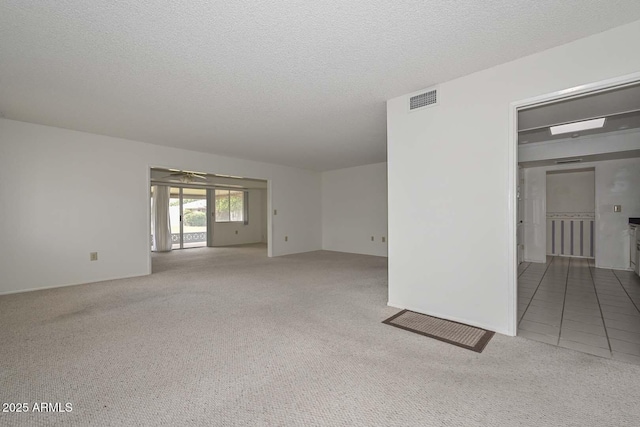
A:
(236, 231)
(384, 239)
(373, 238)
(275, 211)
(286, 238)
(93, 256)
(617, 208)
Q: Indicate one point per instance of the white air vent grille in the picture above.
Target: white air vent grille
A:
(423, 100)
(564, 162)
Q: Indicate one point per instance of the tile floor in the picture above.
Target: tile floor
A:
(569, 303)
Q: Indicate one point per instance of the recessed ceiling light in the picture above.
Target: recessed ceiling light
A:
(577, 126)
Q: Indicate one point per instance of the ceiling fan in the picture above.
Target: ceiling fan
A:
(185, 176)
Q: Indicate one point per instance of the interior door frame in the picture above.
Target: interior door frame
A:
(512, 174)
(269, 194)
(181, 213)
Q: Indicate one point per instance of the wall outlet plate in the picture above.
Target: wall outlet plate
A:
(236, 231)
(617, 208)
(384, 239)
(373, 238)
(93, 256)
(286, 238)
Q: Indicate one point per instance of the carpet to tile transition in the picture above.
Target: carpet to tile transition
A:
(459, 334)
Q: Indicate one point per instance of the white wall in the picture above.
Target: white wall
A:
(354, 208)
(224, 233)
(535, 214)
(66, 193)
(617, 182)
(571, 191)
(449, 248)
(264, 208)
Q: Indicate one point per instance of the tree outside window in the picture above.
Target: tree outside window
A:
(229, 206)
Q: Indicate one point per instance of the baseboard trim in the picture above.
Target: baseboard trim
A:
(606, 267)
(20, 291)
(452, 318)
(572, 256)
(355, 253)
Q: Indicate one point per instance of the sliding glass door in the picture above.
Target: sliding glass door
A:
(188, 213)
(175, 216)
(194, 217)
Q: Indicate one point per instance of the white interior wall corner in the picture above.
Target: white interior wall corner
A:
(455, 157)
(354, 209)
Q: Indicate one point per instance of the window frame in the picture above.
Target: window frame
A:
(245, 206)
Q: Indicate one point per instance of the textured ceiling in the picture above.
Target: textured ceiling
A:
(299, 83)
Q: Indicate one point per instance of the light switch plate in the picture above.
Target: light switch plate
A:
(617, 208)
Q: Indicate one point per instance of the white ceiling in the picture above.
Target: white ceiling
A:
(293, 82)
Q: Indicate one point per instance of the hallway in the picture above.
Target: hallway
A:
(569, 303)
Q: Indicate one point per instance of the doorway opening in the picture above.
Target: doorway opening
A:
(188, 213)
(578, 169)
(201, 210)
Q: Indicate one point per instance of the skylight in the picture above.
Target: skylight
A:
(577, 126)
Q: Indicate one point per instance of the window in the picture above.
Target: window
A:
(231, 206)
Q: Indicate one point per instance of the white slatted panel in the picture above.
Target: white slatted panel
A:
(561, 241)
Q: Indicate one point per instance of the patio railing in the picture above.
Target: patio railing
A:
(189, 237)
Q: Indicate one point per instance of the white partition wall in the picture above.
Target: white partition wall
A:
(68, 193)
(450, 189)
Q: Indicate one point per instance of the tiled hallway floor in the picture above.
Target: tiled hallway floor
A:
(569, 303)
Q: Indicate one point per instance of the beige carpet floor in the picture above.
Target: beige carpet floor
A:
(228, 337)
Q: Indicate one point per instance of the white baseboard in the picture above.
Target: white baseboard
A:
(452, 318)
(19, 291)
(573, 256)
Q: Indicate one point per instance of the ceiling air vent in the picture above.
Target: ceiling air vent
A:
(564, 162)
(425, 99)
